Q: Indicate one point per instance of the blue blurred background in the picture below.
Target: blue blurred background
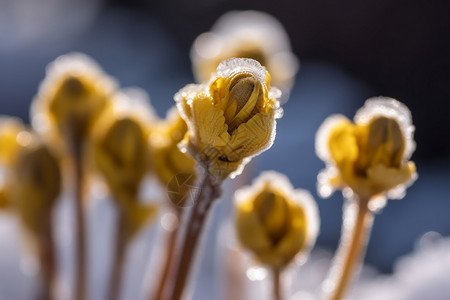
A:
(349, 51)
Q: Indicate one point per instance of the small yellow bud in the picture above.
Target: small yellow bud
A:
(274, 221)
(121, 155)
(36, 186)
(232, 119)
(72, 96)
(371, 155)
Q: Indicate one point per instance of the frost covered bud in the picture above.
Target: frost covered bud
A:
(230, 119)
(72, 96)
(274, 221)
(121, 155)
(370, 156)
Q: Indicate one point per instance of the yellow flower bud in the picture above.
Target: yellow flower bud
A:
(370, 156)
(72, 96)
(231, 119)
(274, 221)
(36, 186)
(246, 34)
(121, 155)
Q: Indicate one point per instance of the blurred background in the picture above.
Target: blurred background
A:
(348, 50)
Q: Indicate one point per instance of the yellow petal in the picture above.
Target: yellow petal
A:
(342, 143)
(222, 169)
(383, 178)
(250, 138)
(250, 231)
(209, 123)
(273, 211)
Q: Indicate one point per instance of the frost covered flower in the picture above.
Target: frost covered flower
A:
(274, 221)
(121, 153)
(230, 119)
(371, 155)
(72, 96)
(248, 34)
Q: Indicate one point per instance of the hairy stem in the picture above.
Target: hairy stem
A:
(357, 222)
(209, 191)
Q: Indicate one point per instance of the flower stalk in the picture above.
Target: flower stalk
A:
(209, 191)
(277, 284)
(80, 273)
(119, 260)
(47, 259)
(357, 224)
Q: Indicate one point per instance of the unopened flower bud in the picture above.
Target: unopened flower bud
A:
(71, 98)
(121, 155)
(370, 155)
(36, 186)
(274, 221)
(232, 119)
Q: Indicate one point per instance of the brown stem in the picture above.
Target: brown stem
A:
(277, 288)
(119, 260)
(357, 222)
(80, 283)
(209, 191)
(47, 261)
(169, 259)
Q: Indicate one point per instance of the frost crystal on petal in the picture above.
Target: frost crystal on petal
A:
(323, 134)
(232, 66)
